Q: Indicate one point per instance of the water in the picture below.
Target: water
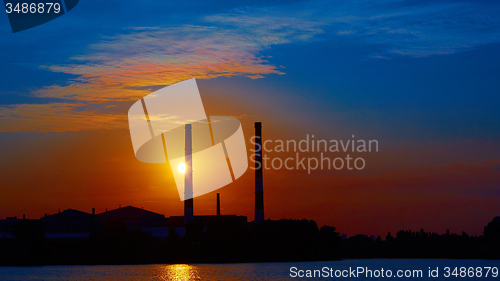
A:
(254, 271)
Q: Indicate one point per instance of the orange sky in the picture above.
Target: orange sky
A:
(42, 172)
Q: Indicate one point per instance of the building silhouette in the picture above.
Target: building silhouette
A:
(133, 217)
(73, 223)
(69, 223)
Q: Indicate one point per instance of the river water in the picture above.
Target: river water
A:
(413, 269)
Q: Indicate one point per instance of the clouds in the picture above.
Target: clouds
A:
(431, 29)
(124, 66)
(115, 68)
(401, 28)
(232, 43)
(56, 117)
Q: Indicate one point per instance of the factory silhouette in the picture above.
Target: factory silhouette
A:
(131, 235)
(72, 223)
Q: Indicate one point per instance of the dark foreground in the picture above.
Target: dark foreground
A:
(270, 241)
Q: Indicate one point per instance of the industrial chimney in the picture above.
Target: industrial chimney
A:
(218, 205)
(259, 184)
(188, 176)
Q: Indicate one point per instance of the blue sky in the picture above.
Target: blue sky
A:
(433, 60)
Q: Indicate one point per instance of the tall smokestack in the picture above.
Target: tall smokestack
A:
(188, 176)
(259, 184)
(218, 205)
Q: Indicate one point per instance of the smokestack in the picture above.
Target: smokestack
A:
(259, 184)
(93, 211)
(218, 205)
(188, 176)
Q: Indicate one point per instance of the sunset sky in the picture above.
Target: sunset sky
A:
(421, 77)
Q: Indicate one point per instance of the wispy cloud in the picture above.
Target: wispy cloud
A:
(56, 117)
(430, 29)
(400, 28)
(231, 44)
(118, 67)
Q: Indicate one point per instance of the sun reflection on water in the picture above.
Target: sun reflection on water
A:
(179, 272)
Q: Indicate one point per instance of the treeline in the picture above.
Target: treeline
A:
(427, 245)
(222, 242)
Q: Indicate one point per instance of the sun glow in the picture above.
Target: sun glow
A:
(182, 168)
(179, 272)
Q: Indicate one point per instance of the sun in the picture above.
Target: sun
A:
(182, 168)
